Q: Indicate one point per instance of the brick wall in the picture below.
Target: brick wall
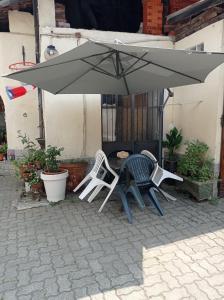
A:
(153, 17)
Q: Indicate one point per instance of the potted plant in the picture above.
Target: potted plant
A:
(3, 151)
(173, 141)
(196, 167)
(76, 172)
(35, 182)
(33, 158)
(54, 178)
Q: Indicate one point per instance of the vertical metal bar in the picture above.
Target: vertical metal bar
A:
(41, 138)
(102, 119)
(132, 123)
(147, 120)
(117, 119)
(161, 99)
(127, 113)
(121, 110)
(107, 116)
(112, 107)
(142, 117)
(136, 105)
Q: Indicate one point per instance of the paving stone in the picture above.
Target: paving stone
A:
(206, 288)
(140, 295)
(156, 289)
(51, 287)
(194, 290)
(178, 293)
(69, 251)
(28, 289)
(188, 278)
(64, 283)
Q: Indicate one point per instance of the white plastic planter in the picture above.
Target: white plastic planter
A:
(55, 185)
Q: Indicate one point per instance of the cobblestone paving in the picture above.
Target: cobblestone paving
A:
(69, 251)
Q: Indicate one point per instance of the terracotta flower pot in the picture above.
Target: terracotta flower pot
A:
(1, 156)
(37, 187)
(76, 171)
(24, 172)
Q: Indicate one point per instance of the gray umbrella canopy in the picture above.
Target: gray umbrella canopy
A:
(103, 68)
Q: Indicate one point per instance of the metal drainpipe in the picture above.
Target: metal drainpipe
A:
(41, 139)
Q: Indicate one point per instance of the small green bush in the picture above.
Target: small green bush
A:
(51, 163)
(195, 163)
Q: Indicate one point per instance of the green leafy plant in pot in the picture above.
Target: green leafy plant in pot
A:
(197, 168)
(35, 182)
(33, 158)
(172, 143)
(54, 178)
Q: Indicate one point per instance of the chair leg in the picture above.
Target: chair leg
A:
(124, 201)
(95, 193)
(93, 183)
(166, 195)
(105, 201)
(81, 183)
(155, 201)
(137, 195)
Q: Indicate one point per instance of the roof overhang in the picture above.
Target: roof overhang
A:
(4, 3)
(192, 10)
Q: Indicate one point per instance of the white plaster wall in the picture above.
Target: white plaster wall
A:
(21, 22)
(197, 109)
(65, 114)
(11, 52)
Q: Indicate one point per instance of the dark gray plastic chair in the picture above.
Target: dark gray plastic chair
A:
(140, 169)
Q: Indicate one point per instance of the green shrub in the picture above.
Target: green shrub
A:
(195, 163)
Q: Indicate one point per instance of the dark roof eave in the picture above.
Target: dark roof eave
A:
(192, 10)
(4, 3)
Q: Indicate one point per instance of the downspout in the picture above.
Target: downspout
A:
(41, 139)
(161, 111)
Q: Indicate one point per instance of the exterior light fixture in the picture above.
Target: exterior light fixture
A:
(50, 52)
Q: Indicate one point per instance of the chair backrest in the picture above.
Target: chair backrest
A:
(100, 157)
(150, 155)
(140, 167)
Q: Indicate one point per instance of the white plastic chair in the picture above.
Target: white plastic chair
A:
(96, 177)
(159, 174)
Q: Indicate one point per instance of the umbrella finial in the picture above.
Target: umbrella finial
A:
(117, 41)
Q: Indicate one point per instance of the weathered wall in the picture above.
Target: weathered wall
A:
(21, 113)
(197, 109)
(64, 115)
(21, 22)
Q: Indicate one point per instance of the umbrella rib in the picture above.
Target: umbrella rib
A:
(136, 69)
(37, 67)
(150, 62)
(129, 68)
(58, 91)
(166, 68)
(97, 69)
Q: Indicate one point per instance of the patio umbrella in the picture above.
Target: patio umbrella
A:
(111, 68)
